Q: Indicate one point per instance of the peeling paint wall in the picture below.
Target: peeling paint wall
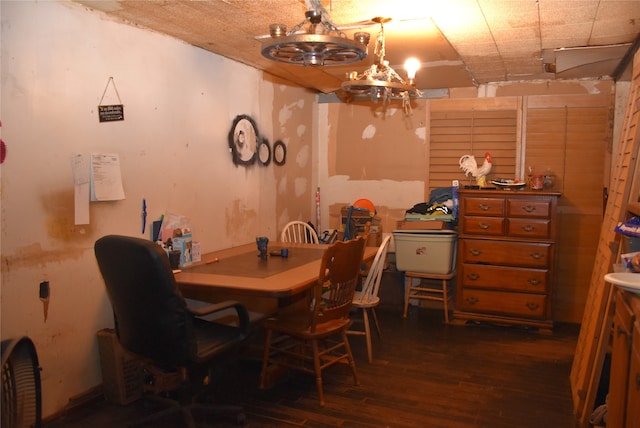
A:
(179, 104)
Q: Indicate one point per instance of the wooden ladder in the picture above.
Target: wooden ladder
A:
(598, 312)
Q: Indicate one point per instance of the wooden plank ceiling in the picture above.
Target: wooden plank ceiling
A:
(460, 43)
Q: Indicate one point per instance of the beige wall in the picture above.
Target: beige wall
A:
(179, 104)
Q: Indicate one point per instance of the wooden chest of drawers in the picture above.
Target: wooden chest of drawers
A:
(506, 257)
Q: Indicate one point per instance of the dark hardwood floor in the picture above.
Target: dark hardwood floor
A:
(424, 374)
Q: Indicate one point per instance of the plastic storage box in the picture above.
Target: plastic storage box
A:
(425, 251)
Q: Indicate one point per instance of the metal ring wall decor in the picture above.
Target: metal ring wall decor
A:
(264, 152)
(243, 140)
(279, 153)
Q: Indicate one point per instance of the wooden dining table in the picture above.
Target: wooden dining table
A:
(240, 272)
(265, 287)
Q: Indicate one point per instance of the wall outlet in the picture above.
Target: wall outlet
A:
(44, 290)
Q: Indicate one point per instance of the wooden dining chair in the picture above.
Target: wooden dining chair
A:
(299, 231)
(367, 298)
(313, 336)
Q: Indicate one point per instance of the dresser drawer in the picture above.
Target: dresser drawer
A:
(493, 226)
(530, 208)
(504, 278)
(505, 253)
(492, 207)
(503, 303)
(529, 228)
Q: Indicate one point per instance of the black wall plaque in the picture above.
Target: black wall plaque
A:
(111, 113)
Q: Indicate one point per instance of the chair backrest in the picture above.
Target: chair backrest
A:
(299, 231)
(150, 313)
(339, 272)
(371, 284)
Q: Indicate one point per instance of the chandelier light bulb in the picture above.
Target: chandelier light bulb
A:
(411, 65)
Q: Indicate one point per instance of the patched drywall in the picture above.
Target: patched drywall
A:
(372, 152)
(383, 143)
(293, 114)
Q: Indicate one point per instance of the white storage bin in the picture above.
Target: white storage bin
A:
(426, 251)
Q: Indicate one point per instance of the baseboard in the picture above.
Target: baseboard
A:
(78, 401)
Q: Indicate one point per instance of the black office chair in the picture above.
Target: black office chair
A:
(152, 321)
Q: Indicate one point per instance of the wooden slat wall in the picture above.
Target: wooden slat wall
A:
(567, 135)
(457, 133)
(569, 142)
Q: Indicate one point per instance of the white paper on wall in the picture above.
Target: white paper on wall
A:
(106, 180)
(80, 171)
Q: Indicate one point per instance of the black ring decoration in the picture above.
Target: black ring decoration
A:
(276, 145)
(264, 143)
(233, 148)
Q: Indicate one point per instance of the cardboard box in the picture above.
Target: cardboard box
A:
(428, 251)
(184, 245)
(196, 252)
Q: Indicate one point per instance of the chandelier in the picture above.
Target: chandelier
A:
(321, 44)
(380, 81)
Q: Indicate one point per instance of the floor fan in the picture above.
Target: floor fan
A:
(21, 390)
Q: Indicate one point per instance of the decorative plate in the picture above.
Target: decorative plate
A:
(508, 183)
(243, 140)
(264, 152)
(279, 152)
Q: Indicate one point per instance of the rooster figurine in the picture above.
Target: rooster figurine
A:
(469, 165)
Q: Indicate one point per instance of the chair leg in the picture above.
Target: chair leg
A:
(173, 407)
(265, 359)
(318, 370)
(352, 362)
(407, 293)
(367, 333)
(375, 320)
(445, 301)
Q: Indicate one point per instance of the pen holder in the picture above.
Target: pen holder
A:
(263, 243)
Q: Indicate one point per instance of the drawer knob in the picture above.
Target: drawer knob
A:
(534, 281)
(532, 306)
(529, 208)
(484, 207)
(528, 228)
(475, 252)
(472, 300)
(483, 226)
(473, 276)
(537, 256)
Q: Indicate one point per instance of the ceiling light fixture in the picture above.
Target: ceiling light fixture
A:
(380, 81)
(321, 44)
